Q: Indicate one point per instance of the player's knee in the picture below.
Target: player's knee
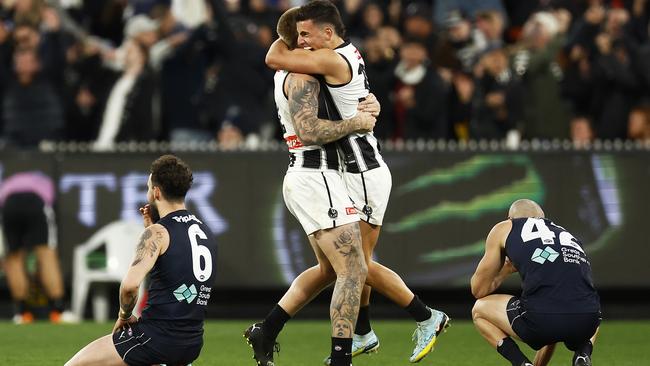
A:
(478, 309)
(327, 272)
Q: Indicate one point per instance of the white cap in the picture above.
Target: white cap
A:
(139, 24)
(548, 21)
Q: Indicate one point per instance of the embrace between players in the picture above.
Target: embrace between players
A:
(325, 109)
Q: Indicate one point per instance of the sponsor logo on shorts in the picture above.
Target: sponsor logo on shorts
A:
(293, 142)
(367, 210)
(350, 210)
(332, 213)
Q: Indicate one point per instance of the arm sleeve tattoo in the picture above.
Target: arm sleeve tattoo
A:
(303, 106)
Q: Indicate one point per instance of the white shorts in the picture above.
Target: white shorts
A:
(370, 192)
(319, 200)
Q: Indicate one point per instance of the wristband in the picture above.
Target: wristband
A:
(124, 315)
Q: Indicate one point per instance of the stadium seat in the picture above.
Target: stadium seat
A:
(120, 239)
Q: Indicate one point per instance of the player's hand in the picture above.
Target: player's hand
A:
(370, 105)
(508, 266)
(366, 121)
(145, 211)
(124, 324)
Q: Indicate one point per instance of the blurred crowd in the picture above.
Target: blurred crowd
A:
(107, 71)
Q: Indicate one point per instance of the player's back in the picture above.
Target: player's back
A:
(303, 157)
(554, 268)
(182, 278)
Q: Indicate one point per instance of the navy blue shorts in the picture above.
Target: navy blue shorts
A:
(141, 344)
(25, 221)
(540, 329)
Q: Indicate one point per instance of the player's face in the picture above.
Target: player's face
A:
(151, 199)
(312, 35)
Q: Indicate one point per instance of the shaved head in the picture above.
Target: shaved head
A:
(525, 208)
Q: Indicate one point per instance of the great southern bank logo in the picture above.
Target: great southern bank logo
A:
(541, 256)
(185, 293)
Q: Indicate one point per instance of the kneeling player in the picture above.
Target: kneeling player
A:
(559, 302)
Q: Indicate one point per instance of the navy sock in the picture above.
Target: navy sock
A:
(511, 352)
(341, 351)
(418, 310)
(363, 321)
(587, 349)
(275, 321)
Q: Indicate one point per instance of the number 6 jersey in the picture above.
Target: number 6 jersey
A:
(554, 268)
(182, 278)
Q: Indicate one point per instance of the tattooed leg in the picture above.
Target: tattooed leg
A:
(342, 246)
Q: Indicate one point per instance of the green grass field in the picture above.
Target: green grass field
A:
(307, 343)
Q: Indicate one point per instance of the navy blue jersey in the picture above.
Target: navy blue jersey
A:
(555, 271)
(181, 280)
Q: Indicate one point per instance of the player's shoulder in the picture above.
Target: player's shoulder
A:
(501, 230)
(157, 231)
(303, 77)
(504, 225)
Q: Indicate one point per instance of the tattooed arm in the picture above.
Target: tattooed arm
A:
(303, 91)
(153, 242)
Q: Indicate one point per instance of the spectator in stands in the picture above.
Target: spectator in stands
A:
(581, 131)
(615, 82)
(32, 108)
(497, 100)
(128, 115)
(461, 44)
(380, 60)
(419, 25)
(461, 95)
(419, 95)
(490, 23)
(238, 101)
(638, 127)
(536, 64)
(372, 18)
(180, 59)
(87, 83)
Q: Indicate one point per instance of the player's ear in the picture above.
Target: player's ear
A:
(329, 32)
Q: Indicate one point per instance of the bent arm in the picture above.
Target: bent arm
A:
(303, 91)
(491, 271)
(322, 61)
(153, 242)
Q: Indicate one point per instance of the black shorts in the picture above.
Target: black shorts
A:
(141, 344)
(540, 329)
(27, 221)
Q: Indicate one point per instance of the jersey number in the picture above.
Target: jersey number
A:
(362, 71)
(537, 229)
(200, 251)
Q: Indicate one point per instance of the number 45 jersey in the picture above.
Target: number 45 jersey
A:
(554, 268)
(181, 280)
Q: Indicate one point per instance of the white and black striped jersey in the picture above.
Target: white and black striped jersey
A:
(303, 157)
(360, 152)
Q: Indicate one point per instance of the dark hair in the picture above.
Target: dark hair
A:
(322, 12)
(172, 176)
